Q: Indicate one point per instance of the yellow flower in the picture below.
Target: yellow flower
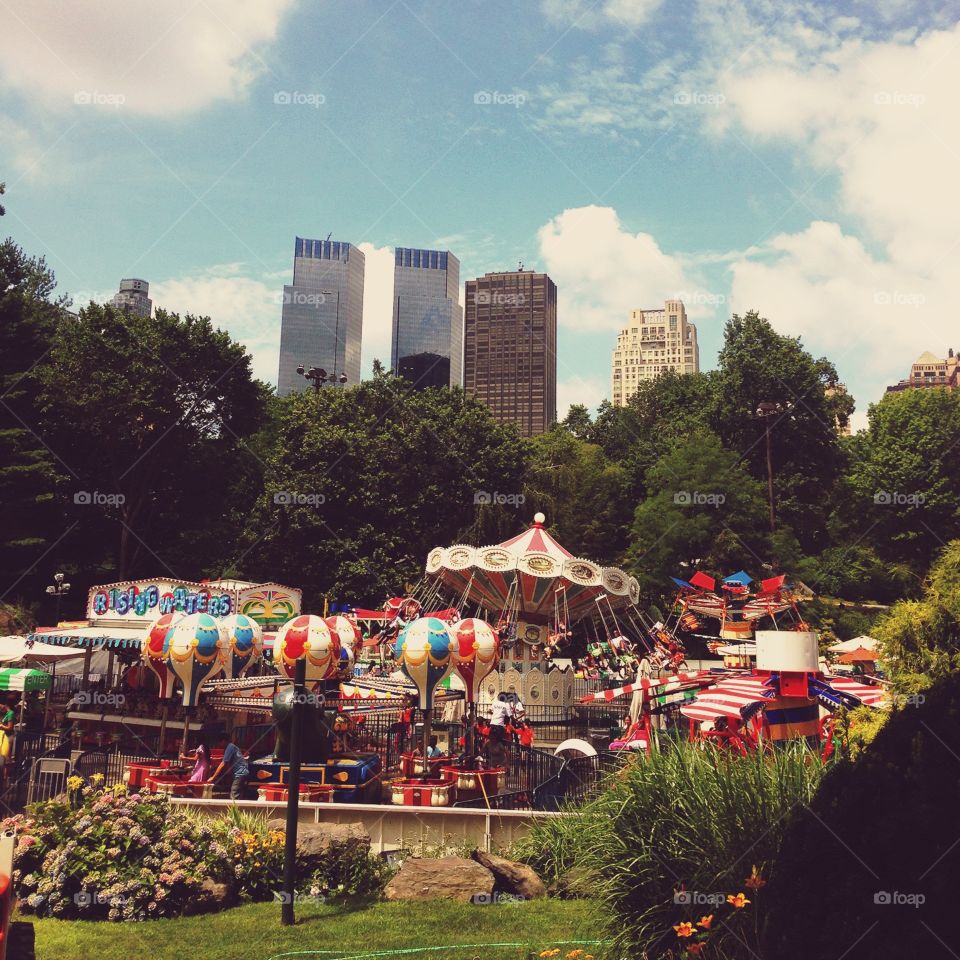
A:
(97, 778)
(549, 953)
(739, 901)
(705, 922)
(684, 929)
(74, 783)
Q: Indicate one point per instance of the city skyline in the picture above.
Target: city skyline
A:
(633, 150)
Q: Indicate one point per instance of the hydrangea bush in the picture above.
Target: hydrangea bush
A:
(114, 855)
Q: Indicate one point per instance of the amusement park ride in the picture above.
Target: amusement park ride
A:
(518, 602)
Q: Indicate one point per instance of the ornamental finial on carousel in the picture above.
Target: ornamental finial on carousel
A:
(307, 637)
(196, 649)
(427, 654)
(478, 651)
(245, 644)
(153, 652)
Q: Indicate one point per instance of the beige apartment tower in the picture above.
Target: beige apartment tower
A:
(654, 342)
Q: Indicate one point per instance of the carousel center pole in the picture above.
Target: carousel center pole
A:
(186, 731)
(293, 795)
(427, 717)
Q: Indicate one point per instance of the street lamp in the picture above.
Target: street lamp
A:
(319, 377)
(58, 589)
(767, 409)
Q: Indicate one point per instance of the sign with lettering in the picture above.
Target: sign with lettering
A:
(269, 604)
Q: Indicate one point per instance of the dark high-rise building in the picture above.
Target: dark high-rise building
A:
(133, 298)
(427, 344)
(510, 347)
(322, 318)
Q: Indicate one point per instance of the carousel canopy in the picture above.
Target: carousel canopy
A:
(547, 576)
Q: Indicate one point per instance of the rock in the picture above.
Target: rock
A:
(447, 877)
(213, 896)
(512, 877)
(316, 841)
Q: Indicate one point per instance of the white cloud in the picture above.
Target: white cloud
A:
(144, 56)
(247, 308)
(588, 15)
(602, 271)
(883, 116)
(578, 389)
(377, 305)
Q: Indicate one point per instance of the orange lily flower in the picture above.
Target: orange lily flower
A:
(705, 922)
(695, 949)
(754, 881)
(684, 929)
(739, 901)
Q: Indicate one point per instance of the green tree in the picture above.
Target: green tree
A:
(578, 421)
(362, 482)
(29, 471)
(922, 637)
(757, 365)
(702, 510)
(148, 414)
(903, 494)
(583, 494)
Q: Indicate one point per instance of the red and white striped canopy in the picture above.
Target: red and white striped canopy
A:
(662, 685)
(872, 696)
(729, 698)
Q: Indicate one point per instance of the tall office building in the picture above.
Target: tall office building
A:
(655, 341)
(132, 298)
(510, 347)
(931, 371)
(427, 343)
(322, 317)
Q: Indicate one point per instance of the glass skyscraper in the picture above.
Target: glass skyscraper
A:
(322, 317)
(427, 342)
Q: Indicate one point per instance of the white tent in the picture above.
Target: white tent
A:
(846, 646)
(14, 649)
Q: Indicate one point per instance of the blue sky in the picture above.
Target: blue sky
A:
(797, 158)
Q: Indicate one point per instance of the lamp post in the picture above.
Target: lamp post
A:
(318, 376)
(58, 589)
(767, 409)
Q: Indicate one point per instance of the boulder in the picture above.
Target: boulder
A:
(213, 896)
(447, 877)
(317, 841)
(512, 877)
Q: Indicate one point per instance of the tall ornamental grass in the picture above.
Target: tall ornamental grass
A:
(674, 839)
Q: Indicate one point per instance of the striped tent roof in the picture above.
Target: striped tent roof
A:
(661, 685)
(735, 698)
(868, 694)
(24, 679)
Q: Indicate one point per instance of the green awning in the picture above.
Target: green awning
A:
(26, 680)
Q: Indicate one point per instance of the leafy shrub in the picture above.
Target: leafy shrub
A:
(104, 854)
(673, 837)
(870, 870)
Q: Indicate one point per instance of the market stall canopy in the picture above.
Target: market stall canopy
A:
(860, 655)
(846, 646)
(543, 570)
(108, 637)
(14, 649)
(25, 680)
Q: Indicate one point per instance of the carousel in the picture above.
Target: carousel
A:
(534, 591)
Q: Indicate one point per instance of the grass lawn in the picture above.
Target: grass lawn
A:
(253, 932)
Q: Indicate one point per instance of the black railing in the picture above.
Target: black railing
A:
(110, 762)
(30, 749)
